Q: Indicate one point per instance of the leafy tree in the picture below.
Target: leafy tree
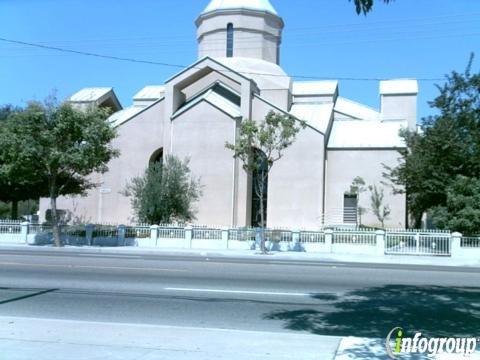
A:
(165, 193)
(365, 6)
(56, 147)
(259, 146)
(379, 209)
(12, 190)
(462, 209)
(358, 187)
(447, 146)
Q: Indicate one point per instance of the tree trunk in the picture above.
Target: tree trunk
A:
(55, 227)
(53, 207)
(14, 210)
(261, 194)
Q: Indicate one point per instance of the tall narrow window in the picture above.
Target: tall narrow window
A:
(230, 40)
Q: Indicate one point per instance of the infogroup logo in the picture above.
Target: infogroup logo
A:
(428, 346)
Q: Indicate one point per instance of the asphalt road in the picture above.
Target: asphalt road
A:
(260, 294)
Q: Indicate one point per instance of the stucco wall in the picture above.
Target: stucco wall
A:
(345, 165)
(256, 35)
(295, 193)
(200, 134)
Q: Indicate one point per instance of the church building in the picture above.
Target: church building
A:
(238, 76)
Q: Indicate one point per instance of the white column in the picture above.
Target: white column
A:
(24, 231)
(225, 238)
(456, 245)
(188, 237)
(154, 235)
(380, 241)
(328, 240)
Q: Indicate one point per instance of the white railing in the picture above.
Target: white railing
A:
(470, 242)
(206, 234)
(10, 231)
(354, 237)
(341, 239)
(312, 237)
(246, 234)
(171, 232)
(417, 243)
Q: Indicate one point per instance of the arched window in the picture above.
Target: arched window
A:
(259, 189)
(230, 32)
(157, 157)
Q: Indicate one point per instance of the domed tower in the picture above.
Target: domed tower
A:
(240, 28)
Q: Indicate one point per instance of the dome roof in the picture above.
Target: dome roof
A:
(260, 5)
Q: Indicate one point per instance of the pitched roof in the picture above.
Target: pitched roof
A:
(317, 116)
(366, 134)
(355, 110)
(314, 88)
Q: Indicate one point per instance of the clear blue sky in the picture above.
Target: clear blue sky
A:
(322, 38)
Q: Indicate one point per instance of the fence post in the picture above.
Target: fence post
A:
(188, 237)
(225, 238)
(121, 230)
(24, 231)
(295, 240)
(456, 245)
(154, 235)
(89, 228)
(380, 241)
(328, 240)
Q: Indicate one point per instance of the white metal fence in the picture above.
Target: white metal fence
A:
(10, 231)
(354, 237)
(470, 242)
(417, 243)
(338, 239)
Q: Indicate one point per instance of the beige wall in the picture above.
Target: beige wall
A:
(345, 165)
(295, 197)
(256, 34)
(200, 134)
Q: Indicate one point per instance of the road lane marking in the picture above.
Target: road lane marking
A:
(90, 267)
(110, 256)
(246, 292)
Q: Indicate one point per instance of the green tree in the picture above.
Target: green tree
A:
(365, 6)
(462, 209)
(270, 138)
(379, 208)
(12, 190)
(56, 147)
(447, 146)
(165, 193)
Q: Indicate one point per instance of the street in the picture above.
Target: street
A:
(258, 294)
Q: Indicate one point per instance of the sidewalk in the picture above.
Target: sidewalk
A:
(252, 254)
(44, 339)
(48, 339)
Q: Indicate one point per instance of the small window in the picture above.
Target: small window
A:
(230, 32)
(350, 207)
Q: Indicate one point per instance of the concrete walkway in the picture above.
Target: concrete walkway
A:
(45, 339)
(283, 256)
